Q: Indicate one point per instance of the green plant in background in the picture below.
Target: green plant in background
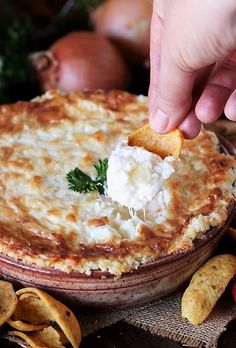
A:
(19, 37)
(16, 30)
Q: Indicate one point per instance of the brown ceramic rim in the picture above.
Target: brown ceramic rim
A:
(211, 233)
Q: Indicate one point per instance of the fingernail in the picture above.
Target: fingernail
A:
(159, 121)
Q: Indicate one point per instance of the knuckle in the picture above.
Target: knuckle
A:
(230, 62)
(171, 103)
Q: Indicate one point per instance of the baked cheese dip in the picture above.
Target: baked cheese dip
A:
(165, 204)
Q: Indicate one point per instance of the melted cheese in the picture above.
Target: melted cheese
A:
(135, 176)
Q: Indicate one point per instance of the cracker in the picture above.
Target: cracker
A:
(206, 287)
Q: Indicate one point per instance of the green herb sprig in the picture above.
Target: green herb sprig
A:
(79, 181)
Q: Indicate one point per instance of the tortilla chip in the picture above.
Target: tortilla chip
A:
(8, 301)
(30, 314)
(22, 326)
(206, 287)
(38, 308)
(164, 145)
(48, 337)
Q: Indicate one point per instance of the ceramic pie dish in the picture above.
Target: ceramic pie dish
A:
(150, 282)
(84, 247)
(101, 290)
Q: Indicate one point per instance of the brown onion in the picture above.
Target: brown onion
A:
(127, 24)
(80, 60)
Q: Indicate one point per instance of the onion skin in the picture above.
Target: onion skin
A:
(80, 60)
(127, 24)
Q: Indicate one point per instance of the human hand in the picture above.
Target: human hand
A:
(193, 64)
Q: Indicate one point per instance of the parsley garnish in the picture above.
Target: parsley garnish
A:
(79, 181)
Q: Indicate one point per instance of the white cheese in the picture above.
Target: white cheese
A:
(101, 234)
(135, 176)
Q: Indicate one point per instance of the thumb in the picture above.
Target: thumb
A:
(173, 98)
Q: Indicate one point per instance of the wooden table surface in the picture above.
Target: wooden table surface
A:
(122, 335)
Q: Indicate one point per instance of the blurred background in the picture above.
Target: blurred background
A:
(73, 44)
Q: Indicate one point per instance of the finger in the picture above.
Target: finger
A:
(155, 48)
(174, 94)
(230, 107)
(190, 126)
(218, 90)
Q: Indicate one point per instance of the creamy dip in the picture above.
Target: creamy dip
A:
(136, 176)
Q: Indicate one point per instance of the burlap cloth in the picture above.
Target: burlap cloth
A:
(164, 317)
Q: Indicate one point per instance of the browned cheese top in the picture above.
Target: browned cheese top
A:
(44, 224)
